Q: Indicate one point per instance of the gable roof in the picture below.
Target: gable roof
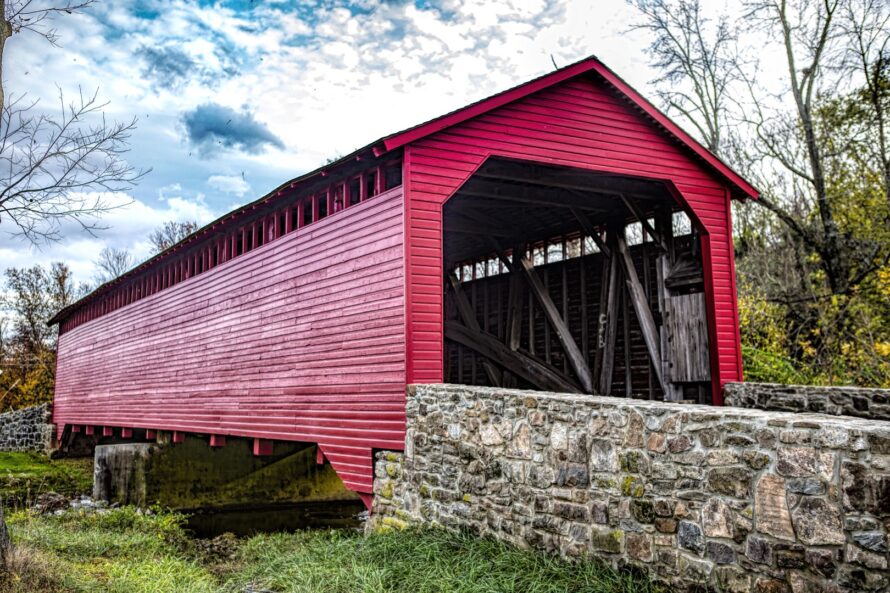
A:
(741, 188)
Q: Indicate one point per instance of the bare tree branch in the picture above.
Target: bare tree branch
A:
(171, 233)
(112, 263)
(63, 169)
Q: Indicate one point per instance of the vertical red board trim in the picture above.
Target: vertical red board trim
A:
(126, 433)
(151, 434)
(740, 368)
(406, 259)
(178, 437)
(90, 430)
(262, 447)
(217, 440)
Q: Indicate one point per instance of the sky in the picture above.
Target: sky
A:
(234, 98)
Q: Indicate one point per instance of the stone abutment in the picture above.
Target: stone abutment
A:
(702, 498)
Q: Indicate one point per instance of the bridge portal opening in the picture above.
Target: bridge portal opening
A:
(569, 280)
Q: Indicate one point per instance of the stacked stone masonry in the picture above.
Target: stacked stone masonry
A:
(702, 498)
(837, 401)
(28, 429)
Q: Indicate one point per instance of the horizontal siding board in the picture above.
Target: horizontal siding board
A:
(300, 339)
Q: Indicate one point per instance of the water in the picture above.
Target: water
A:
(249, 520)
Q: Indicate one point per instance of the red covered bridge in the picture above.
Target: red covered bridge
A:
(562, 235)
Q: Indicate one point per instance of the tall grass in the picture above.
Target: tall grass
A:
(416, 561)
(123, 551)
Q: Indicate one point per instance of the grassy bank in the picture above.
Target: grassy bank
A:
(122, 551)
(24, 476)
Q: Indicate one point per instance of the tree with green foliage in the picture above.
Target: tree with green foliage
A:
(32, 296)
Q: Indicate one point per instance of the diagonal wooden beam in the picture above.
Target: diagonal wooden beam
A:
(636, 211)
(576, 359)
(590, 230)
(641, 308)
(513, 332)
(468, 316)
(517, 362)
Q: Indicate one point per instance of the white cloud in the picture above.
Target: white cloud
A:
(229, 184)
(324, 85)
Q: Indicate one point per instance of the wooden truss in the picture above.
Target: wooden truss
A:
(621, 291)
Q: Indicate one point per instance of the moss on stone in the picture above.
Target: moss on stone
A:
(633, 462)
(632, 486)
(394, 523)
(386, 490)
(605, 483)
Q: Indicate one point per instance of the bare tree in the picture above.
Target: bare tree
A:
(57, 169)
(699, 63)
(808, 32)
(171, 233)
(779, 144)
(35, 17)
(112, 263)
(867, 23)
(61, 169)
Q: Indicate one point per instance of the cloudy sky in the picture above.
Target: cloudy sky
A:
(234, 98)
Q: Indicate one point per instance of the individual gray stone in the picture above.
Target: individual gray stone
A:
(875, 541)
(720, 553)
(804, 461)
(758, 550)
(867, 559)
(807, 486)
(690, 537)
(731, 481)
(818, 522)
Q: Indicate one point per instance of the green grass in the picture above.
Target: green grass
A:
(24, 476)
(416, 561)
(122, 551)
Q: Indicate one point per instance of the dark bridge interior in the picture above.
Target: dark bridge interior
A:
(567, 280)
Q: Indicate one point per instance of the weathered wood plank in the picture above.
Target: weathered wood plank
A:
(468, 317)
(610, 326)
(517, 362)
(688, 338)
(562, 330)
(641, 308)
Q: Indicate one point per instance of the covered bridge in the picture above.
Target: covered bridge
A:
(561, 235)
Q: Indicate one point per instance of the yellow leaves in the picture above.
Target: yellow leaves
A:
(883, 349)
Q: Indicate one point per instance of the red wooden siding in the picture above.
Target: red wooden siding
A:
(300, 339)
(582, 122)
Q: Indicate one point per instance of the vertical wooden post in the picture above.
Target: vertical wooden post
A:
(609, 323)
(665, 227)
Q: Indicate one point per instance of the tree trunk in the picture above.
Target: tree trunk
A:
(5, 542)
(5, 33)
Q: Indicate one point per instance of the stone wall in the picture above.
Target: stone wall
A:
(702, 498)
(837, 401)
(28, 429)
